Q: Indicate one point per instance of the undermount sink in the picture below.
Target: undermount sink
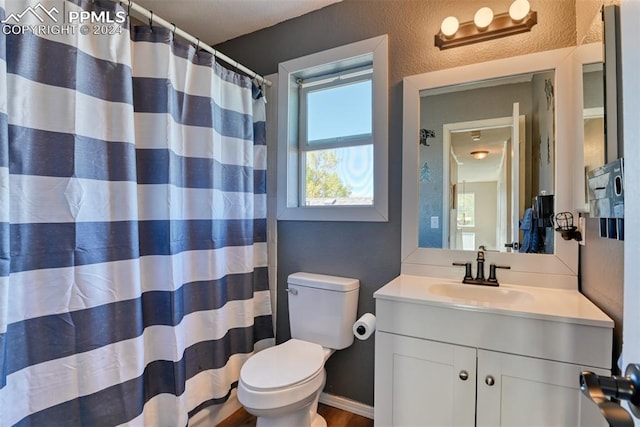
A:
(480, 294)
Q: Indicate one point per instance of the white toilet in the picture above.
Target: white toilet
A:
(281, 385)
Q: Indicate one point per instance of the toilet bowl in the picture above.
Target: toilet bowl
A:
(281, 385)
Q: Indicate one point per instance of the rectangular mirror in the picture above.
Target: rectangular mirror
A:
(490, 161)
(555, 167)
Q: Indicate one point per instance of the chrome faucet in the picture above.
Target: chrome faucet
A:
(480, 279)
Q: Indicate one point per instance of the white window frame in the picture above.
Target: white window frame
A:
(372, 52)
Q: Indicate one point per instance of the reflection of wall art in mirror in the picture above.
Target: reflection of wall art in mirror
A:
(425, 170)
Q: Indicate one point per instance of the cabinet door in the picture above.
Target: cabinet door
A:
(423, 383)
(523, 391)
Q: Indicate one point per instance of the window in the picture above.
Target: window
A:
(336, 140)
(466, 210)
(332, 134)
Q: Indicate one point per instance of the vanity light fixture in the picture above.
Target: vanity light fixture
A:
(485, 26)
(479, 154)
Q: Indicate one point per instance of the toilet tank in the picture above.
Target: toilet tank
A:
(322, 309)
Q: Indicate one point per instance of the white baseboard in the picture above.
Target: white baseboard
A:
(347, 405)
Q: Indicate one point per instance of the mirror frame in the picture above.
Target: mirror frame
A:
(557, 270)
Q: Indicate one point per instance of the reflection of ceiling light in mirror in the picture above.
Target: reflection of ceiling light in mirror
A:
(483, 18)
(519, 10)
(479, 154)
(475, 135)
(449, 26)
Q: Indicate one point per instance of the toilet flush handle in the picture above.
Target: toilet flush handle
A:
(292, 291)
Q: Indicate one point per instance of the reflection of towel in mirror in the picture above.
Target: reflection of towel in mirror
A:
(531, 241)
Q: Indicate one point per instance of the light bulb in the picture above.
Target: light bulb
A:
(519, 9)
(449, 26)
(483, 18)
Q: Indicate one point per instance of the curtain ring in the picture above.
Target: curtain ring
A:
(197, 47)
(173, 31)
(151, 20)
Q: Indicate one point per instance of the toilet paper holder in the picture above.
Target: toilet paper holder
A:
(600, 388)
(364, 327)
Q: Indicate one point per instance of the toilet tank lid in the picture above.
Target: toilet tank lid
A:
(322, 281)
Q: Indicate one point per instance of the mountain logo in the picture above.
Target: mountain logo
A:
(39, 11)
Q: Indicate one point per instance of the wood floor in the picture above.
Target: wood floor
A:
(335, 418)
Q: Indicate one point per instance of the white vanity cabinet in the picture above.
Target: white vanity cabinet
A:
(448, 362)
(420, 382)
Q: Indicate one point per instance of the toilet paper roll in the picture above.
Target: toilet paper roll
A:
(364, 326)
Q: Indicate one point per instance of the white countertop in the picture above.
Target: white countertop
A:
(558, 305)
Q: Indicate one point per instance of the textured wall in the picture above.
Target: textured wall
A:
(371, 251)
(589, 21)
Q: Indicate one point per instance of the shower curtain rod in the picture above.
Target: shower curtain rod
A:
(177, 31)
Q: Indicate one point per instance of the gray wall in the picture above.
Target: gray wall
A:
(371, 251)
(602, 277)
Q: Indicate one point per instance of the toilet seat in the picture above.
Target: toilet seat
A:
(284, 366)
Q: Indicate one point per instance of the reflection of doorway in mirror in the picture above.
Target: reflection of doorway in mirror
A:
(483, 213)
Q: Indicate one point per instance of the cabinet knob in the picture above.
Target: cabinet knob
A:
(464, 375)
(489, 380)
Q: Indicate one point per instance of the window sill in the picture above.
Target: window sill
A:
(333, 213)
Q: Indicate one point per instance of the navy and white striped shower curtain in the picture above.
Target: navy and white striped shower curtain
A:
(133, 279)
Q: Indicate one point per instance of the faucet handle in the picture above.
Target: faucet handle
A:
(492, 273)
(467, 269)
